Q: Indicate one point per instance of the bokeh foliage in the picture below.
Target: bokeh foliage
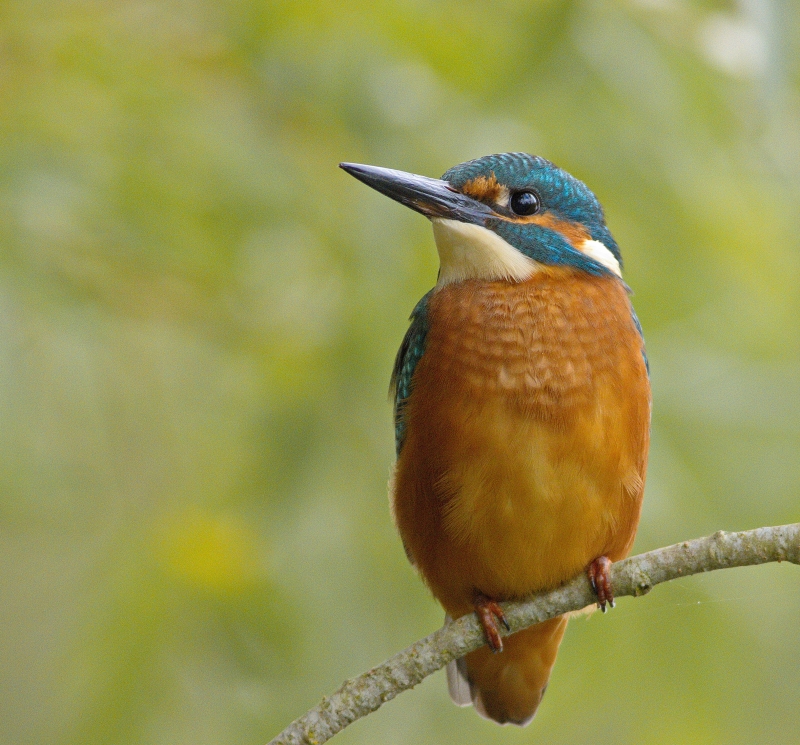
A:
(199, 311)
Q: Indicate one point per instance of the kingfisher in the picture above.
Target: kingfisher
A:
(522, 410)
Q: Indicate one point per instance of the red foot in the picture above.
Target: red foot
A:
(600, 578)
(488, 610)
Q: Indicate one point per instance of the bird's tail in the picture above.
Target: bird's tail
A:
(507, 687)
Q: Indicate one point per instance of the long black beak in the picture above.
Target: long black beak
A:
(430, 196)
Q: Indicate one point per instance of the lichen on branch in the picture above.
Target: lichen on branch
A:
(635, 576)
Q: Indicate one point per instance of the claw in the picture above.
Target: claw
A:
(599, 576)
(489, 612)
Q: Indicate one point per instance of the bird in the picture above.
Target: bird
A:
(522, 410)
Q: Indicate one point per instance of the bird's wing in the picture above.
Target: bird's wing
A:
(641, 333)
(409, 354)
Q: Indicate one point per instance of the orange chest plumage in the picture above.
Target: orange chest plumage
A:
(526, 435)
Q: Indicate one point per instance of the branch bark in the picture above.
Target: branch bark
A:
(635, 576)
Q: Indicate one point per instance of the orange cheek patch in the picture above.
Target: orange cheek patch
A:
(486, 190)
(574, 232)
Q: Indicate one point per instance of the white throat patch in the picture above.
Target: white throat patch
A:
(468, 251)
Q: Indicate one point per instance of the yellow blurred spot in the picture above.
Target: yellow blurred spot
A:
(214, 551)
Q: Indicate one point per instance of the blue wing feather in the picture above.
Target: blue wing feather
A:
(409, 354)
(641, 333)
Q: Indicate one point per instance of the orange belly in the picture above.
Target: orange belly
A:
(527, 434)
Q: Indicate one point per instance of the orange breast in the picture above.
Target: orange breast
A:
(527, 435)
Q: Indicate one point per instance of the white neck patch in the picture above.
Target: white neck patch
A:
(598, 252)
(468, 251)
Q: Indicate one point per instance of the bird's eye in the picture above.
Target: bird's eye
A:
(524, 203)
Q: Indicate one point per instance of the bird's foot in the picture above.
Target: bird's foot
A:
(489, 612)
(600, 577)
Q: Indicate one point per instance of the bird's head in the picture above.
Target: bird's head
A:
(504, 217)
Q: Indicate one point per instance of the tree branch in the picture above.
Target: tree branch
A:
(635, 576)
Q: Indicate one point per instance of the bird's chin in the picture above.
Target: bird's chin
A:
(468, 251)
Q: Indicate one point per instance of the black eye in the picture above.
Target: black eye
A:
(524, 203)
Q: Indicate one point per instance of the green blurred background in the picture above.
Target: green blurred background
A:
(199, 313)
